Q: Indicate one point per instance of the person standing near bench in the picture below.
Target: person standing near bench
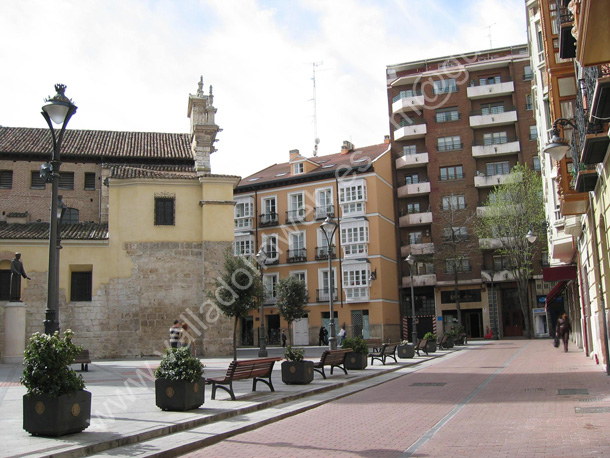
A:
(174, 334)
(341, 335)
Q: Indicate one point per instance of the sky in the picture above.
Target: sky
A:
(129, 65)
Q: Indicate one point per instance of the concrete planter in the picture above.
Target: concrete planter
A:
(297, 372)
(179, 395)
(405, 351)
(430, 347)
(356, 361)
(44, 415)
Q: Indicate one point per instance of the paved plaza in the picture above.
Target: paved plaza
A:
(499, 398)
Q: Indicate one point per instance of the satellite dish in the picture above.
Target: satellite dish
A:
(317, 141)
(315, 148)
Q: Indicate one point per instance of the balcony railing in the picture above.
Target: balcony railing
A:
(322, 252)
(298, 255)
(296, 216)
(324, 211)
(268, 219)
(322, 295)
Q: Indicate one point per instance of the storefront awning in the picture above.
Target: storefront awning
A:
(555, 293)
(559, 273)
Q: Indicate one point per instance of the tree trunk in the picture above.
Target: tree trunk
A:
(457, 297)
(290, 332)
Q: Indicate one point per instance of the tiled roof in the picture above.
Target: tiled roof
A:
(40, 231)
(106, 145)
(358, 159)
(121, 171)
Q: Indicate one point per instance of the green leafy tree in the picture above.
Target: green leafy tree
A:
(291, 300)
(237, 291)
(513, 209)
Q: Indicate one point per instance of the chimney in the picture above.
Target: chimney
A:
(386, 139)
(347, 147)
(294, 154)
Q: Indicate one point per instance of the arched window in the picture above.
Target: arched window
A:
(70, 216)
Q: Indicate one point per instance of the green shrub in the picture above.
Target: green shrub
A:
(430, 337)
(357, 344)
(47, 362)
(179, 364)
(294, 354)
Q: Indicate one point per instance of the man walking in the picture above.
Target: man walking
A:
(174, 334)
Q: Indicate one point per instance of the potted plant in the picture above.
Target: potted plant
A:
(56, 402)
(405, 350)
(179, 385)
(295, 370)
(357, 358)
(431, 345)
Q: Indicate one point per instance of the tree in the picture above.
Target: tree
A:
(237, 291)
(513, 209)
(291, 299)
(455, 221)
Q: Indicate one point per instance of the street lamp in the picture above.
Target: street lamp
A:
(57, 110)
(261, 259)
(411, 260)
(330, 227)
(558, 147)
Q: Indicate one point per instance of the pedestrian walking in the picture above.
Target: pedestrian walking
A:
(563, 330)
(283, 338)
(174, 334)
(341, 335)
(325, 336)
(321, 336)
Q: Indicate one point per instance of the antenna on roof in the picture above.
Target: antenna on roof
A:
(315, 109)
(489, 33)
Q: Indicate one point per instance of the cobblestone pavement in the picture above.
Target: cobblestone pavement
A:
(510, 398)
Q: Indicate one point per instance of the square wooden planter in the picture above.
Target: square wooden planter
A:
(44, 415)
(179, 394)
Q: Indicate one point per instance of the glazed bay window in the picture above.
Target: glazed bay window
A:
(355, 238)
(352, 196)
(454, 202)
(449, 143)
(243, 245)
(452, 173)
(445, 86)
(243, 213)
(497, 168)
(447, 114)
(356, 281)
(165, 211)
(495, 138)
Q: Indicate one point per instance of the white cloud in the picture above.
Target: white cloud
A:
(130, 65)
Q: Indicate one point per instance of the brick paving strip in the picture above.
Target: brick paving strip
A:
(505, 399)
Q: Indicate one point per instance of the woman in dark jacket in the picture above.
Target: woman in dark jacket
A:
(563, 330)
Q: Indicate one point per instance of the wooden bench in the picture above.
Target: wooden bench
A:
(332, 358)
(386, 351)
(374, 343)
(442, 344)
(421, 346)
(256, 369)
(461, 339)
(83, 359)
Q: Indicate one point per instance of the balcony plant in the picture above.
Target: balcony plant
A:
(357, 358)
(179, 385)
(56, 402)
(431, 345)
(296, 370)
(405, 350)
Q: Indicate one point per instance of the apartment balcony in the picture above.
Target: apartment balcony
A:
(415, 219)
(600, 104)
(408, 161)
(563, 248)
(574, 203)
(268, 219)
(419, 280)
(322, 295)
(490, 90)
(270, 300)
(416, 249)
(324, 211)
(408, 103)
(322, 252)
(586, 180)
(593, 33)
(484, 181)
(496, 149)
(490, 244)
(296, 216)
(298, 255)
(408, 131)
(482, 211)
(479, 120)
(573, 225)
(414, 189)
(595, 148)
(498, 276)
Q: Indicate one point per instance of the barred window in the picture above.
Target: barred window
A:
(80, 287)
(164, 211)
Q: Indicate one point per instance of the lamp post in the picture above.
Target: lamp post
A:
(57, 110)
(330, 227)
(558, 147)
(411, 260)
(261, 258)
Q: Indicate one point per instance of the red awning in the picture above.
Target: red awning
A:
(559, 273)
(555, 292)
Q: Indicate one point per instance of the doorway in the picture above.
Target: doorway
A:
(473, 322)
(360, 324)
(273, 329)
(300, 331)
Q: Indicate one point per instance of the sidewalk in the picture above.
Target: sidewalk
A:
(124, 410)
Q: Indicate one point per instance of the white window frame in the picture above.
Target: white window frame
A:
(296, 209)
(324, 209)
(352, 196)
(323, 283)
(243, 218)
(298, 168)
(245, 244)
(270, 282)
(453, 202)
(356, 281)
(355, 238)
(270, 240)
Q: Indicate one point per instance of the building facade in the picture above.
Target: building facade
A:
(459, 124)
(280, 210)
(142, 237)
